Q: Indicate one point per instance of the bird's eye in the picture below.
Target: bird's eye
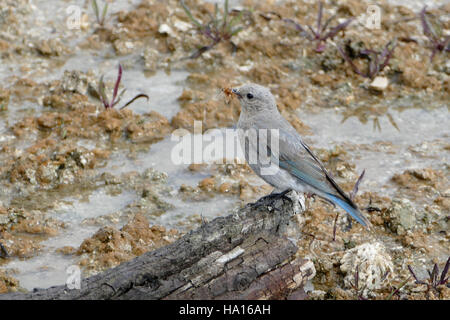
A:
(249, 96)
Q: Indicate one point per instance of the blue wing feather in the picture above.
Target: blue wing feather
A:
(354, 212)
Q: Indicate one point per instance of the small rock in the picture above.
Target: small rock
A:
(7, 283)
(165, 29)
(401, 216)
(151, 57)
(182, 26)
(207, 184)
(51, 47)
(66, 250)
(379, 84)
(124, 47)
(225, 187)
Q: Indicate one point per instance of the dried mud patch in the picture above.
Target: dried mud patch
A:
(109, 247)
(22, 231)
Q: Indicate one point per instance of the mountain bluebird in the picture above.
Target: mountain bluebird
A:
(264, 132)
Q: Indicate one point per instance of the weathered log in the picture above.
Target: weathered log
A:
(245, 255)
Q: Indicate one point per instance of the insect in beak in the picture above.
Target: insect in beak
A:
(236, 92)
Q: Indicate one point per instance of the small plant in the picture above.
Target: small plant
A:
(395, 291)
(434, 280)
(433, 31)
(108, 104)
(356, 186)
(219, 28)
(100, 18)
(377, 60)
(323, 32)
(355, 286)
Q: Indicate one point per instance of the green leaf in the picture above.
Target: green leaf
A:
(235, 20)
(189, 14)
(105, 9)
(95, 7)
(216, 13)
(225, 14)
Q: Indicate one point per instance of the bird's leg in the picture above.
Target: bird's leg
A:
(349, 225)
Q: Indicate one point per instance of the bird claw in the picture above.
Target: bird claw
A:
(273, 196)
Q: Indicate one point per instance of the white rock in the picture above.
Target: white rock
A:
(379, 83)
(165, 29)
(181, 25)
(247, 66)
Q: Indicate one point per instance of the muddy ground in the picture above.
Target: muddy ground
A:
(93, 187)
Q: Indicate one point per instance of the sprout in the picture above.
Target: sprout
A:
(433, 31)
(116, 97)
(100, 18)
(219, 28)
(377, 60)
(323, 32)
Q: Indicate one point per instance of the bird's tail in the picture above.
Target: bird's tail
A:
(351, 210)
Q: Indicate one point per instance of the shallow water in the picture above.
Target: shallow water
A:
(48, 268)
(415, 127)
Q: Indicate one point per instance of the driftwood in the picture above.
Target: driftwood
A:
(245, 255)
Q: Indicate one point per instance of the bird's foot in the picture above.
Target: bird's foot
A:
(280, 195)
(273, 196)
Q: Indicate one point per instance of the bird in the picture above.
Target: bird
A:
(293, 165)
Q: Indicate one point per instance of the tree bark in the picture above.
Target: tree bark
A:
(245, 255)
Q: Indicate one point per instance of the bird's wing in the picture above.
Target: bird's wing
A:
(298, 159)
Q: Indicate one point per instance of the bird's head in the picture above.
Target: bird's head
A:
(255, 98)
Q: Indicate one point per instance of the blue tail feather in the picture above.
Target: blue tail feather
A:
(354, 212)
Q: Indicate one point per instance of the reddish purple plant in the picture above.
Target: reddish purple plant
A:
(220, 28)
(321, 34)
(377, 60)
(438, 43)
(434, 280)
(355, 285)
(116, 97)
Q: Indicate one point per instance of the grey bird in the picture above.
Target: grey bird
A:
(296, 166)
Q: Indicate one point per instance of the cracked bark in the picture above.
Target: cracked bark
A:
(245, 255)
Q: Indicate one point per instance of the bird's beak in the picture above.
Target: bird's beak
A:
(236, 92)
